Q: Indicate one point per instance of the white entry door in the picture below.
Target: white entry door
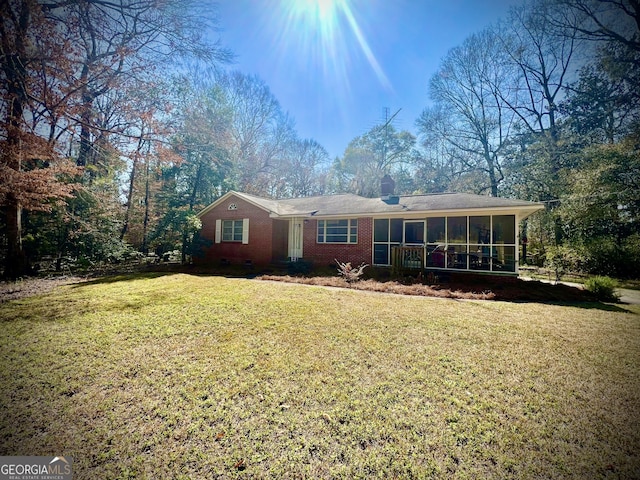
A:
(295, 238)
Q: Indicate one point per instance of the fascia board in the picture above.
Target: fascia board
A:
(521, 211)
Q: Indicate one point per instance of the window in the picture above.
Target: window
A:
(479, 240)
(381, 230)
(387, 233)
(456, 257)
(435, 230)
(457, 229)
(232, 230)
(436, 250)
(504, 230)
(480, 230)
(414, 232)
(338, 231)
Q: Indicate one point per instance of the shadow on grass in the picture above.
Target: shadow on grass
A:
(558, 294)
(607, 307)
(40, 307)
(158, 271)
(507, 289)
(124, 277)
(517, 290)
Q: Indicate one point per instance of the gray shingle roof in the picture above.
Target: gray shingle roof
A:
(354, 205)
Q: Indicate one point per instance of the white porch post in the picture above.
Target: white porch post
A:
(295, 238)
(517, 232)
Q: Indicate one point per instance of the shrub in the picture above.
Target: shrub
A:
(561, 259)
(299, 267)
(604, 288)
(431, 279)
(350, 273)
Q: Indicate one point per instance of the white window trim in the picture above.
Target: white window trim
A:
(349, 226)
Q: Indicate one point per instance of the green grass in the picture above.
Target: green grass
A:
(181, 376)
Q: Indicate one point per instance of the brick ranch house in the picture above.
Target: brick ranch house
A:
(438, 231)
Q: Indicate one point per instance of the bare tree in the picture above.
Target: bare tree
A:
(119, 43)
(260, 131)
(380, 151)
(616, 21)
(471, 112)
(544, 58)
(302, 172)
(611, 28)
(437, 167)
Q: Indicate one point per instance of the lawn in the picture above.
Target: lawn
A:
(185, 376)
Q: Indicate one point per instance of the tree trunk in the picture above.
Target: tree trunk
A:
(15, 72)
(185, 242)
(16, 262)
(84, 153)
(192, 202)
(127, 214)
(493, 181)
(147, 201)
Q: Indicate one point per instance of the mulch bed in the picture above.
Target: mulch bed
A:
(468, 287)
(516, 289)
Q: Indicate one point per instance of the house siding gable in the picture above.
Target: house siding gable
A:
(258, 246)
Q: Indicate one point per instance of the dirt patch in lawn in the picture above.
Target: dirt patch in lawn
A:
(29, 287)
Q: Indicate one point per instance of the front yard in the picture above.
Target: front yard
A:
(185, 376)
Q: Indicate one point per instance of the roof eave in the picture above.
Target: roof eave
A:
(523, 212)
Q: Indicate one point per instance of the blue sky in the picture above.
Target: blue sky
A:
(336, 65)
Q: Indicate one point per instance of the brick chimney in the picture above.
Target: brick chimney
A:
(387, 186)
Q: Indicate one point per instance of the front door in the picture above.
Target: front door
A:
(295, 239)
(413, 249)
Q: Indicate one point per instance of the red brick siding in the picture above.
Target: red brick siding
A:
(322, 254)
(268, 239)
(260, 246)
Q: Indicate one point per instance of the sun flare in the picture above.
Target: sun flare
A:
(322, 10)
(329, 33)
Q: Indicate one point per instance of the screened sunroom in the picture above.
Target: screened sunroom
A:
(461, 242)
